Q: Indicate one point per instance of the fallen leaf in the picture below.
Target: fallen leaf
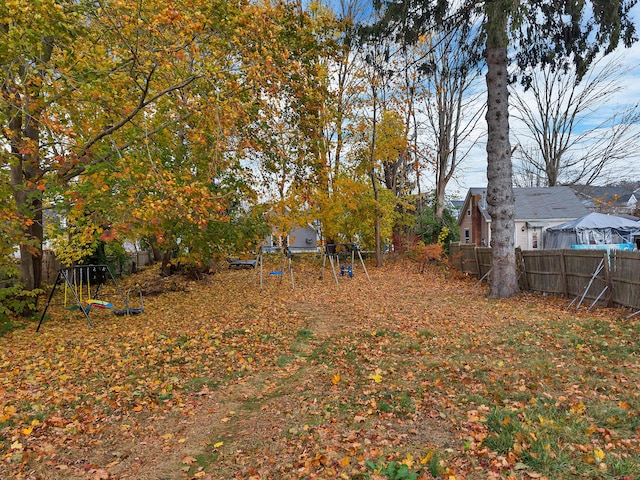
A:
(598, 454)
(100, 475)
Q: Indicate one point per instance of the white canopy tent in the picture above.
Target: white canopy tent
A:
(595, 230)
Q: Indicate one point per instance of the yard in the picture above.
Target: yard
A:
(411, 375)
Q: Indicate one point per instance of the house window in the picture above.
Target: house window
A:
(469, 212)
(467, 235)
(534, 240)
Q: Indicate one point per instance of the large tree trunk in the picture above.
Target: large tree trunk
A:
(29, 205)
(500, 197)
(26, 171)
(25, 176)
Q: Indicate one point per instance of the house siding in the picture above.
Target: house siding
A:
(466, 224)
(476, 217)
(299, 238)
(536, 210)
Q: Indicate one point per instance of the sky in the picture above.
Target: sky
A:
(473, 172)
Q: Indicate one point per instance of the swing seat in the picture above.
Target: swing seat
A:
(99, 303)
(128, 311)
(278, 272)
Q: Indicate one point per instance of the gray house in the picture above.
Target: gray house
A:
(536, 210)
(299, 238)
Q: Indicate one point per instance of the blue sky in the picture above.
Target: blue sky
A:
(473, 173)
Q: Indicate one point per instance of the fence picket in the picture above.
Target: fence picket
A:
(567, 272)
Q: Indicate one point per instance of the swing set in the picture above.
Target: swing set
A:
(264, 252)
(333, 251)
(78, 281)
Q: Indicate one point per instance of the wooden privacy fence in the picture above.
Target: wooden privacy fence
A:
(590, 276)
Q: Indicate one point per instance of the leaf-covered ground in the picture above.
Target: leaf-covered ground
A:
(407, 376)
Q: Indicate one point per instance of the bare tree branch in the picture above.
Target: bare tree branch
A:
(561, 142)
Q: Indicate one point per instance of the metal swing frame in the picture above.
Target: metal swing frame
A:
(72, 277)
(287, 264)
(353, 248)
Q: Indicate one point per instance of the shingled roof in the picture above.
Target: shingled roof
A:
(539, 204)
(607, 198)
(547, 203)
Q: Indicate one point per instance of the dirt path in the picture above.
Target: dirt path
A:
(236, 417)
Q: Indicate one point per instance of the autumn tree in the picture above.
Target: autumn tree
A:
(30, 36)
(133, 119)
(391, 110)
(78, 76)
(344, 97)
(376, 77)
(395, 170)
(453, 106)
(342, 187)
(560, 144)
(347, 116)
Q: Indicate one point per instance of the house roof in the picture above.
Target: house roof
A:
(547, 203)
(482, 205)
(594, 195)
(537, 204)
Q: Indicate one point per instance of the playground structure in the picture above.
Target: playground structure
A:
(80, 277)
(342, 259)
(264, 253)
(333, 251)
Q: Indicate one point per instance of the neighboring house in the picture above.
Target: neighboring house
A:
(455, 206)
(536, 210)
(611, 200)
(299, 238)
(474, 220)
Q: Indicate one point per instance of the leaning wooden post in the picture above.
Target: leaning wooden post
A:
(475, 251)
(524, 282)
(563, 274)
(607, 277)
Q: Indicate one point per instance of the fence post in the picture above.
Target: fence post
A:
(563, 274)
(607, 278)
(475, 254)
(520, 265)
